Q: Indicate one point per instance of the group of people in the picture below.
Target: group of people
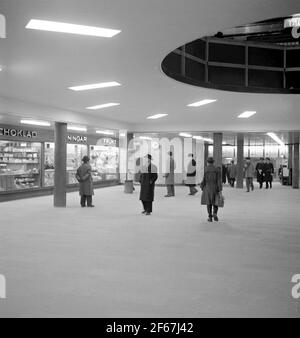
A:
(264, 172)
(211, 184)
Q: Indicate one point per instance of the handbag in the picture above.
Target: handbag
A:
(220, 200)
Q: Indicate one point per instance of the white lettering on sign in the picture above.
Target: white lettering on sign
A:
(18, 133)
(296, 32)
(2, 287)
(2, 27)
(77, 139)
(296, 288)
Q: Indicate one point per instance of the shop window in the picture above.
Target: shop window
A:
(226, 53)
(104, 162)
(265, 79)
(226, 76)
(265, 57)
(20, 165)
(75, 153)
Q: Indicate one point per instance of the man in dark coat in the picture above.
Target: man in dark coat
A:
(268, 173)
(84, 177)
(211, 186)
(191, 175)
(232, 172)
(148, 178)
(260, 172)
(224, 173)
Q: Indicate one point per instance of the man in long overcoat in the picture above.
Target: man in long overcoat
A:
(191, 175)
(260, 172)
(84, 176)
(211, 186)
(170, 175)
(268, 173)
(232, 172)
(148, 177)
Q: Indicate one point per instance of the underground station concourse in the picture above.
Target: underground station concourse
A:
(123, 82)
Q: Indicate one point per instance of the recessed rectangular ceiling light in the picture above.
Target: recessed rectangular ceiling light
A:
(96, 86)
(276, 139)
(201, 103)
(105, 132)
(36, 123)
(157, 116)
(246, 114)
(148, 138)
(185, 135)
(62, 27)
(76, 128)
(105, 105)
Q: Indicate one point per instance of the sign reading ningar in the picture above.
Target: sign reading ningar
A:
(2, 27)
(292, 22)
(2, 287)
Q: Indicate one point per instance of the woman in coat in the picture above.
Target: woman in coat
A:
(84, 176)
(191, 175)
(170, 175)
(148, 177)
(211, 186)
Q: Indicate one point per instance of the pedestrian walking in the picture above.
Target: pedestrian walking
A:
(268, 173)
(232, 172)
(170, 176)
(249, 174)
(260, 172)
(211, 186)
(191, 175)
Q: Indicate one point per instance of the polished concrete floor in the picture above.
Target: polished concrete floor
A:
(113, 262)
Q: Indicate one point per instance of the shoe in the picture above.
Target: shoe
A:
(143, 212)
(168, 195)
(209, 219)
(216, 219)
(83, 206)
(148, 213)
(91, 206)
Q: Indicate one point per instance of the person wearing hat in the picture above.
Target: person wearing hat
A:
(170, 176)
(211, 186)
(249, 174)
(148, 177)
(84, 177)
(260, 172)
(268, 172)
(191, 175)
(232, 172)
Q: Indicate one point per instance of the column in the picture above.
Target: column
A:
(295, 173)
(240, 161)
(60, 160)
(218, 138)
(290, 153)
(206, 152)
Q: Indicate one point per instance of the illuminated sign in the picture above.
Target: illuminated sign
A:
(18, 133)
(292, 22)
(77, 139)
(2, 27)
(110, 142)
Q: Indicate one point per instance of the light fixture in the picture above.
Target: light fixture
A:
(147, 138)
(201, 103)
(36, 123)
(96, 86)
(105, 105)
(105, 132)
(62, 27)
(157, 116)
(200, 138)
(185, 135)
(1, 68)
(77, 128)
(246, 114)
(205, 139)
(208, 140)
(276, 139)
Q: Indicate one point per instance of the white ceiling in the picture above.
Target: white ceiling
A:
(40, 66)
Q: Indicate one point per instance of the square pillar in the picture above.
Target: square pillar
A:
(295, 172)
(240, 161)
(60, 160)
(217, 153)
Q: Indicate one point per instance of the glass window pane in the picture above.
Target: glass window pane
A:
(104, 162)
(20, 165)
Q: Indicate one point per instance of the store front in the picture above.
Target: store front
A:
(27, 160)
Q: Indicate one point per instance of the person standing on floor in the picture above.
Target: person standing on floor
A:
(249, 174)
(232, 172)
(260, 172)
(191, 175)
(224, 173)
(170, 176)
(148, 177)
(268, 172)
(211, 186)
(84, 177)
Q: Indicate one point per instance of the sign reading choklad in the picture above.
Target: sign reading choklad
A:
(12, 132)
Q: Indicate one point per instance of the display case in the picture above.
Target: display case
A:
(20, 165)
(104, 162)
